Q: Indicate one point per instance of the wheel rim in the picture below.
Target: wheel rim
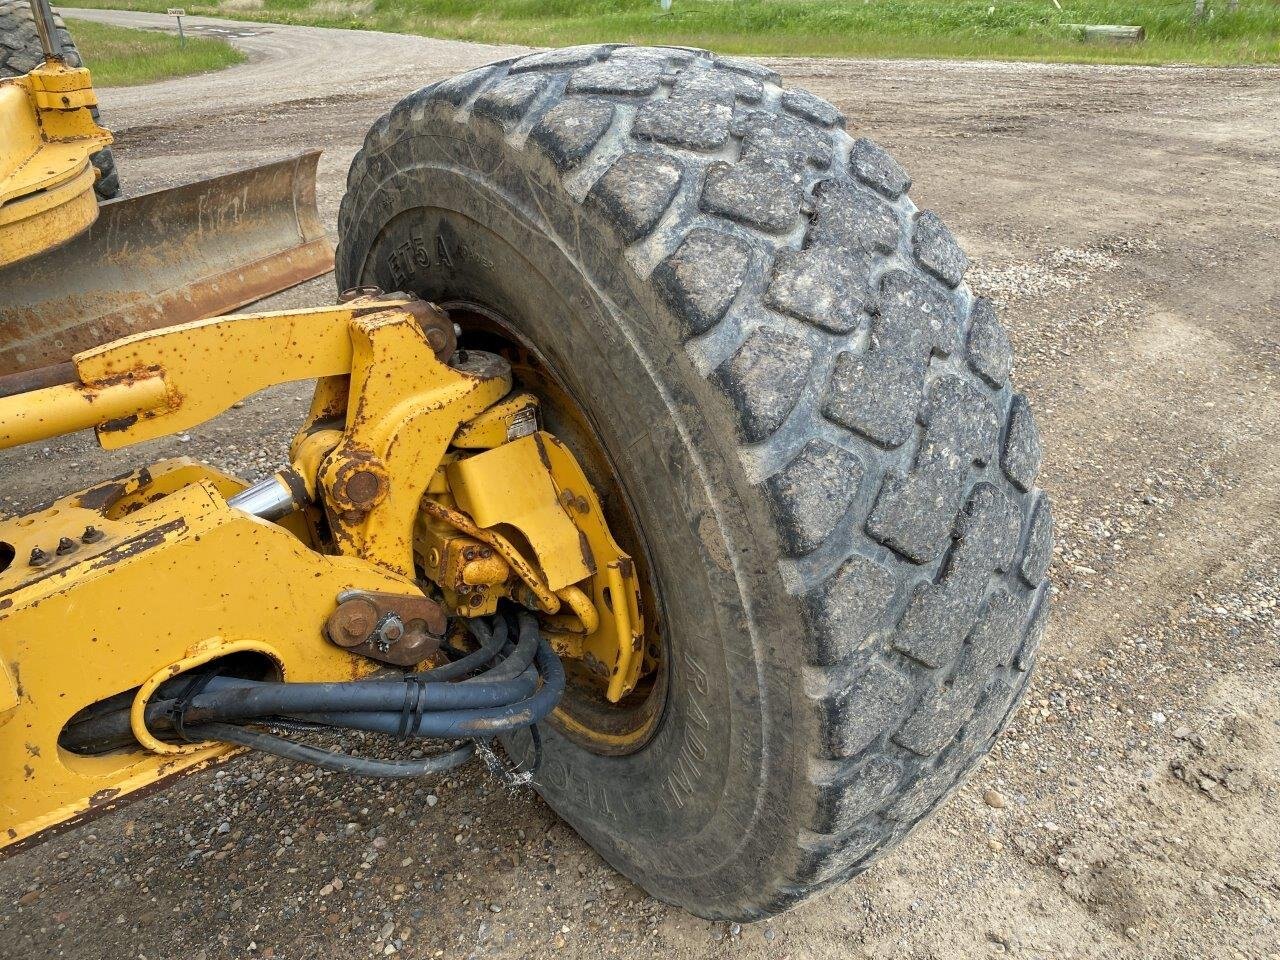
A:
(584, 716)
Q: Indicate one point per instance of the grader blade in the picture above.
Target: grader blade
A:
(166, 257)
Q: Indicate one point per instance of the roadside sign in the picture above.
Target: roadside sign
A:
(179, 13)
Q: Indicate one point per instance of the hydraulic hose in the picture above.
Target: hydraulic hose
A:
(518, 685)
(491, 644)
(338, 762)
(245, 699)
(483, 723)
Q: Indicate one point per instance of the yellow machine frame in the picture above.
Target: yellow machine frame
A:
(46, 179)
(409, 472)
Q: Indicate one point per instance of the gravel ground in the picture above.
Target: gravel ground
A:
(1128, 223)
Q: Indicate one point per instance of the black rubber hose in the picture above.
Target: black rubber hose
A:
(458, 724)
(340, 763)
(520, 657)
(491, 644)
(246, 699)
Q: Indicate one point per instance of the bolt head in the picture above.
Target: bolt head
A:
(362, 486)
(356, 626)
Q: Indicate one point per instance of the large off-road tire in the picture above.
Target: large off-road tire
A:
(20, 53)
(812, 420)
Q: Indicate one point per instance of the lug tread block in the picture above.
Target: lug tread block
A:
(812, 493)
(457, 89)
(940, 615)
(620, 75)
(508, 99)
(870, 164)
(755, 73)
(765, 378)
(571, 128)
(860, 714)
(811, 108)
(936, 249)
(1020, 458)
(941, 713)
(936, 782)
(876, 393)
(635, 191)
(824, 287)
(944, 771)
(990, 354)
(1035, 629)
(836, 859)
(849, 611)
(826, 283)
(914, 514)
(763, 189)
(562, 57)
(866, 625)
(853, 798)
(696, 115)
(848, 217)
(1039, 550)
(701, 278)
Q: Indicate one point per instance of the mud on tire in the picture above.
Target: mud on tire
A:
(811, 416)
(20, 53)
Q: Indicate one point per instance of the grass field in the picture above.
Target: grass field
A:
(118, 57)
(998, 29)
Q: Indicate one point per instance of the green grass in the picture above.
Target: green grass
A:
(970, 29)
(120, 57)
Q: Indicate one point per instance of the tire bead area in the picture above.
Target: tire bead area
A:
(854, 473)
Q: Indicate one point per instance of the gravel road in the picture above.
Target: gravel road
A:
(1128, 223)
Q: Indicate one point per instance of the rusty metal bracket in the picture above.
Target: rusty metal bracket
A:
(387, 627)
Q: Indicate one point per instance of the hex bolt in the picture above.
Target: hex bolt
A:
(357, 628)
(39, 558)
(91, 534)
(66, 545)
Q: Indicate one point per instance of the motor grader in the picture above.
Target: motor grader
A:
(657, 451)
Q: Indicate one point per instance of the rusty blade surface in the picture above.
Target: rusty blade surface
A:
(190, 252)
